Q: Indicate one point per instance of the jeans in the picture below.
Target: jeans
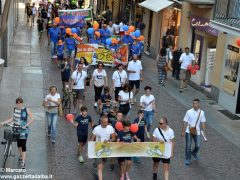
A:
(52, 122)
(188, 150)
(53, 46)
(148, 116)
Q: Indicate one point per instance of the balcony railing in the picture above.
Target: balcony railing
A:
(227, 12)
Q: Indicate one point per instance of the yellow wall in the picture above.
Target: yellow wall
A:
(216, 79)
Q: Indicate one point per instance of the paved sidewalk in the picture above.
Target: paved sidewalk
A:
(23, 77)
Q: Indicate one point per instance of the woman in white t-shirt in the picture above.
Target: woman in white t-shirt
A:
(51, 103)
(163, 134)
(34, 13)
(147, 103)
(100, 80)
(125, 98)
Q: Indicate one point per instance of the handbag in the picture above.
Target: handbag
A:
(166, 68)
(193, 130)
(60, 110)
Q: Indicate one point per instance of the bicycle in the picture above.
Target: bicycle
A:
(10, 135)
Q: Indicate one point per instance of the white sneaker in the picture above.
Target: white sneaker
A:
(81, 160)
(95, 105)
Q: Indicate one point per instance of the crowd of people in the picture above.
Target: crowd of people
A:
(126, 83)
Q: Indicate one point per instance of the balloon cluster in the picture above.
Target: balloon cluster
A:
(94, 29)
(133, 127)
(192, 69)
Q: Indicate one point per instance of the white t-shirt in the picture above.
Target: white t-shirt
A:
(191, 118)
(134, 66)
(79, 78)
(116, 28)
(55, 98)
(103, 134)
(125, 96)
(34, 10)
(145, 100)
(111, 29)
(99, 77)
(121, 26)
(186, 60)
(168, 134)
(116, 76)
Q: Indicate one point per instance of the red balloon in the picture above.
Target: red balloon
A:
(189, 67)
(119, 126)
(193, 71)
(238, 42)
(196, 67)
(69, 117)
(134, 128)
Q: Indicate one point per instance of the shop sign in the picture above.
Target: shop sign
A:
(202, 24)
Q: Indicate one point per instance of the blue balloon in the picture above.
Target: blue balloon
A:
(73, 30)
(90, 30)
(137, 33)
(125, 27)
(108, 41)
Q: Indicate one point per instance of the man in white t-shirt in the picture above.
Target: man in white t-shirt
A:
(186, 59)
(119, 78)
(103, 133)
(116, 28)
(147, 104)
(191, 129)
(78, 81)
(135, 74)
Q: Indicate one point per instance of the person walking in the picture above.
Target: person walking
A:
(53, 36)
(125, 99)
(161, 64)
(102, 133)
(65, 72)
(82, 122)
(119, 78)
(163, 133)
(135, 74)
(175, 63)
(99, 78)
(51, 103)
(186, 59)
(147, 104)
(126, 136)
(78, 80)
(21, 116)
(34, 14)
(191, 129)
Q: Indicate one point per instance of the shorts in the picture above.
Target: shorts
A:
(122, 159)
(71, 53)
(165, 161)
(135, 83)
(65, 79)
(79, 93)
(22, 143)
(82, 139)
(60, 57)
(185, 74)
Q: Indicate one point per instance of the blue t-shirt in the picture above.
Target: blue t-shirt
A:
(94, 41)
(141, 127)
(63, 32)
(60, 49)
(113, 47)
(127, 39)
(135, 49)
(125, 136)
(105, 34)
(83, 122)
(70, 42)
(141, 45)
(104, 97)
(54, 33)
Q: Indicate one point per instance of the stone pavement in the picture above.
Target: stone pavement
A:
(219, 156)
(23, 77)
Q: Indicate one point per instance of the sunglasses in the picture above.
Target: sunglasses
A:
(161, 123)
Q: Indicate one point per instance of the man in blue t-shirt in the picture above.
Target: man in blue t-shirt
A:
(127, 39)
(81, 122)
(70, 45)
(135, 49)
(105, 34)
(53, 36)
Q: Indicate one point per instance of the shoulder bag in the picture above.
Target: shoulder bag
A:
(193, 130)
(162, 134)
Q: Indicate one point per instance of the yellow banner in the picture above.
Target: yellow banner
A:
(136, 149)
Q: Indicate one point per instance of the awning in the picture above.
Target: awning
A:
(156, 5)
(201, 2)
